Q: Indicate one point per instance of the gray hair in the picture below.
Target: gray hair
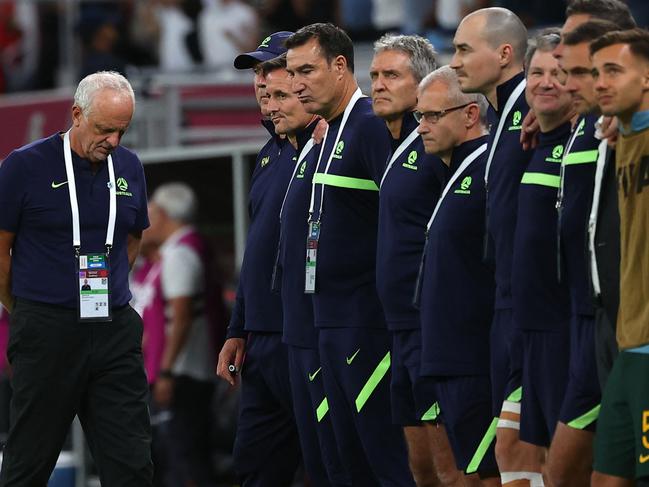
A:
(420, 51)
(545, 41)
(454, 93)
(178, 201)
(101, 80)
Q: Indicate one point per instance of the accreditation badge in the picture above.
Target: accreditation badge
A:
(311, 257)
(94, 287)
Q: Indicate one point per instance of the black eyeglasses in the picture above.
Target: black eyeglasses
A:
(434, 117)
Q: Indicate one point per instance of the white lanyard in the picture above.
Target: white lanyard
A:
(594, 210)
(465, 164)
(402, 147)
(305, 150)
(358, 94)
(74, 204)
(501, 123)
(562, 171)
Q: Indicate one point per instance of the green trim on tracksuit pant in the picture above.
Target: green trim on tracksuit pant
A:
(356, 373)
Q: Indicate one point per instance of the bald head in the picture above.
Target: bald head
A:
(499, 26)
(490, 47)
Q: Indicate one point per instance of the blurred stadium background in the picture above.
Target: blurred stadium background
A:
(196, 120)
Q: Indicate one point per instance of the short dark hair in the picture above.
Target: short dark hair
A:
(588, 32)
(272, 64)
(612, 10)
(332, 40)
(637, 40)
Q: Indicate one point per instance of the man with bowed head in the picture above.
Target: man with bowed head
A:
(70, 200)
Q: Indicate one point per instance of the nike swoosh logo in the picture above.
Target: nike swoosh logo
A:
(351, 359)
(312, 376)
(58, 185)
(644, 458)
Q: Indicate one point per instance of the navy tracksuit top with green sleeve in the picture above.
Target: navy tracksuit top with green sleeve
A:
(297, 307)
(409, 192)
(256, 307)
(541, 302)
(578, 183)
(507, 167)
(457, 295)
(346, 293)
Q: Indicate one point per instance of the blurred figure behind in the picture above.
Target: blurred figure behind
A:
(148, 301)
(185, 380)
(226, 28)
(178, 48)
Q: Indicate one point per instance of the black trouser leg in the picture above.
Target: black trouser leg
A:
(49, 369)
(114, 413)
(62, 367)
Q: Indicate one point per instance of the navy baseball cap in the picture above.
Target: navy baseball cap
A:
(271, 47)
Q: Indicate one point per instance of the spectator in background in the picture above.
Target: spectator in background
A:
(415, 13)
(441, 19)
(148, 301)
(49, 25)
(356, 18)
(20, 60)
(178, 46)
(116, 34)
(185, 380)
(144, 29)
(387, 15)
(146, 289)
(226, 28)
(448, 13)
(290, 15)
(9, 40)
(99, 52)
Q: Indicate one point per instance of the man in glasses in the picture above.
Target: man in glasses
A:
(457, 287)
